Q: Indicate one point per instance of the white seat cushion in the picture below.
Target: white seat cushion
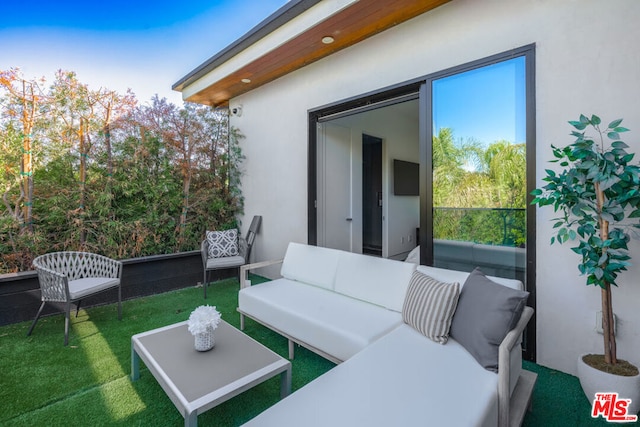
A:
(376, 280)
(80, 288)
(338, 325)
(313, 265)
(403, 379)
(225, 262)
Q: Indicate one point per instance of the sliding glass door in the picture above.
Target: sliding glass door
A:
(479, 167)
(470, 131)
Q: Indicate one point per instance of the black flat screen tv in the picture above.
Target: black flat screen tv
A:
(406, 178)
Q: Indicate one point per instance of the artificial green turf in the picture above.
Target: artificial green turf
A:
(43, 383)
(558, 401)
(87, 383)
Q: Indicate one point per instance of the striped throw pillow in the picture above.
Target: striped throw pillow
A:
(429, 306)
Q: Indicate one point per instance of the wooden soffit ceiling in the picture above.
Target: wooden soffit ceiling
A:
(349, 26)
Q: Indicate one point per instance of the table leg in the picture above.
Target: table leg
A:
(285, 383)
(191, 419)
(135, 364)
(291, 346)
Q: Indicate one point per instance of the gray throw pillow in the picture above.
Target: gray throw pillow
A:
(223, 243)
(486, 312)
(429, 306)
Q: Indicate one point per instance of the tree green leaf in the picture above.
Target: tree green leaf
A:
(614, 123)
(603, 259)
(599, 273)
(578, 125)
(619, 144)
(635, 214)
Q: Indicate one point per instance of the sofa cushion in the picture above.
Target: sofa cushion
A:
(339, 326)
(486, 312)
(313, 265)
(372, 279)
(403, 379)
(429, 306)
(223, 243)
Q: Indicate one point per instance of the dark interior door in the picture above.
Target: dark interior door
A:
(371, 195)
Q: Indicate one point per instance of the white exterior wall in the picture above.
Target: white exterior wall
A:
(587, 61)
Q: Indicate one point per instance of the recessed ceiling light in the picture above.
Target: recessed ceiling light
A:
(328, 40)
(246, 80)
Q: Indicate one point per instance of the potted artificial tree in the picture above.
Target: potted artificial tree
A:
(597, 194)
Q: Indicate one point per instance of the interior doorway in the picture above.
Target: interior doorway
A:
(338, 220)
(357, 209)
(372, 198)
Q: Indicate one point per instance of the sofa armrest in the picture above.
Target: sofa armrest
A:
(244, 270)
(504, 352)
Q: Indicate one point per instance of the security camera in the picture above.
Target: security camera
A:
(236, 111)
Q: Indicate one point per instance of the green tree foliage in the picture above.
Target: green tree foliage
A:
(112, 176)
(479, 193)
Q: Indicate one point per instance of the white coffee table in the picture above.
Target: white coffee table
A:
(197, 381)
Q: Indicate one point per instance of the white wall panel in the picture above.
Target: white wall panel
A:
(586, 62)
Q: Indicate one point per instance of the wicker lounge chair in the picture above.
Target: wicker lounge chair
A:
(68, 277)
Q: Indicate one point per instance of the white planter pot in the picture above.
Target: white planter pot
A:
(205, 341)
(595, 381)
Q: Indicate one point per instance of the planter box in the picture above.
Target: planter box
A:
(20, 292)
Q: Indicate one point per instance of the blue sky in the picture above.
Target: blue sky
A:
(143, 45)
(487, 104)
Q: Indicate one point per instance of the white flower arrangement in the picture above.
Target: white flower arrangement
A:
(203, 318)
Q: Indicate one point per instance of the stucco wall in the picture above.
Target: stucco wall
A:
(586, 62)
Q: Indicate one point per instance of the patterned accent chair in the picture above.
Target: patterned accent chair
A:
(224, 249)
(68, 277)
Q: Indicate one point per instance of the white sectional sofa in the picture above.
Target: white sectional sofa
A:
(349, 309)
(333, 302)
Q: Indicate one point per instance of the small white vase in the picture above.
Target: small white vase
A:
(205, 340)
(595, 381)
